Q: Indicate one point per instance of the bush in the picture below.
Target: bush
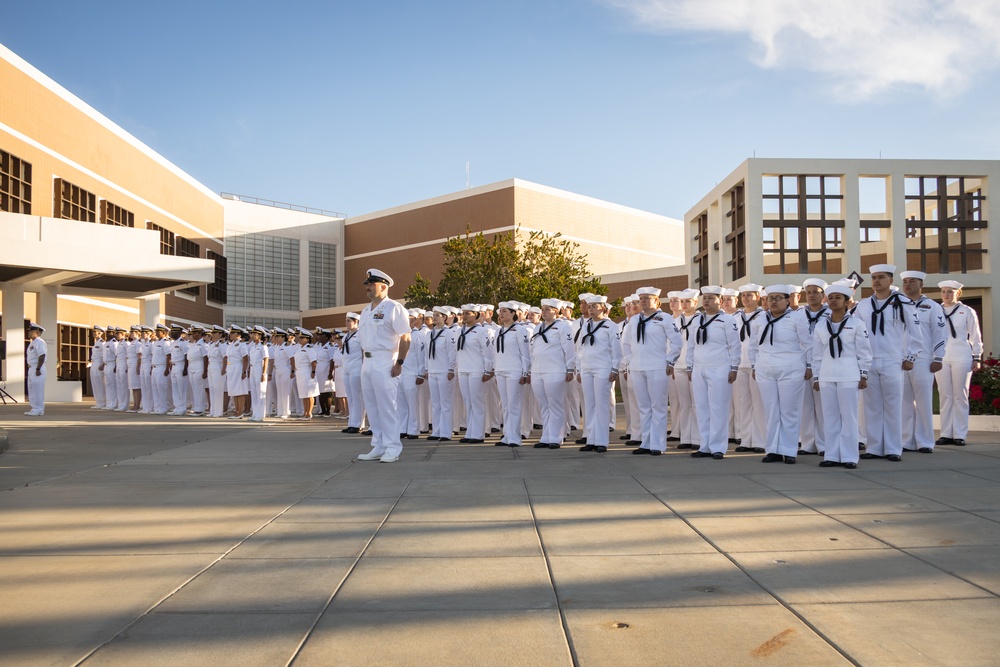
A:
(984, 389)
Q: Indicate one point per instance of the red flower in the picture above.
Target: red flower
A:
(976, 392)
(991, 361)
(996, 403)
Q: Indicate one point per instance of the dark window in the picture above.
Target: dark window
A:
(217, 291)
(803, 223)
(166, 238)
(74, 352)
(701, 244)
(944, 217)
(15, 184)
(73, 202)
(116, 215)
(737, 238)
(188, 248)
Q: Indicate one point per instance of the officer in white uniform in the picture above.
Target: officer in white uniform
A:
(491, 397)
(35, 357)
(411, 378)
(841, 358)
(781, 356)
(512, 367)
(197, 375)
(599, 356)
(257, 376)
(133, 371)
(236, 370)
(109, 367)
(628, 396)
(384, 330)
(178, 364)
(962, 357)
(673, 401)
(713, 358)
(751, 425)
(553, 367)
(216, 380)
(685, 415)
(324, 370)
(474, 360)
(305, 372)
(121, 369)
(574, 394)
(653, 345)
(160, 371)
(811, 434)
(441, 371)
(353, 357)
(918, 384)
(146, 369)
(896, 340)
(96, 374)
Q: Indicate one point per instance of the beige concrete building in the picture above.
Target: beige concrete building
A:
(784, 220)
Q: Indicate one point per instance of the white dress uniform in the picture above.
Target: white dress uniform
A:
(685, 415)
(146, 375)
(440, 362)
(161, 380)
(96, 374)
(918, 384)
(812, 436)
(574, 393)
(895, 336)
(408, 398)
(36, 376)
(552, 357)
(271, 392)
(474, 358)
(305, 374)
(216, 380)
(282, 379)
(491, 399)
(353, 356)
(780, 353)
(751, 423)
(121, 375)
(529, 406)
(196, 353)
(841, 356)
(652, 344)
(624, 382)
(132, 351)
(110, 379)
(512, 363)
(257, 380)
(379, 330)
(599, 355)
(337, 359)
(711, 356)
(236, 379)
(964, 345)
(324, 363)
(457, 402)
(424, 393)
(178, 380)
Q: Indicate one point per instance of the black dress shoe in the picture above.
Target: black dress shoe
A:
(866, 456)
(655, 452)
(851, 466)
(433, 437)
(790, 460)
(403, 436)
(634, 443)
(611, 429)
(673, 438)
(554, 445)
(537, 427)
(476, 441)
(464, 441)
(830, 464)
(862, 446)
(741, 448)
(627, 436)
(958, 442)
(926, 450)
(685, 445)
(640, 451)
(895, 458)
(412, 437)
(771, 458)
(461, 429)
(600, 449)
(368, 432)
(513, 444)
(494, 430)
(803, 452)
(701, 455)
(424, 432)
(500, 444)
(718, 455)
(581, 441)
(541, 445)
(944, 441)
(587, 448)
(444, 439)
(734, 441)
(758, 450)
(351, 429)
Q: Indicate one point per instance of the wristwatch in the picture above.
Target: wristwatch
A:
(399, 362)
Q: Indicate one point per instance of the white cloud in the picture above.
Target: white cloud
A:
(864, 46)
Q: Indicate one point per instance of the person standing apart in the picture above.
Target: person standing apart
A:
(512, 366)
(35, 358)
(841, 356)
(962, 357)
(553, 367)
(713, 360)
(781, 356)
(918, 384)
(384, 330)
(599, 354)
(441, 368)
(896, 341)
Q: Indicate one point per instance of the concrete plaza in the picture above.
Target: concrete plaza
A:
(144, 540)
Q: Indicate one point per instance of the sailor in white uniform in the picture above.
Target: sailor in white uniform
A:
(781, 356)
(121, 369)
(512, 367)
(441, 370)
(962, 357)
(896, 340)
(841, 357)
(673, 401)
(96, 372)
(257, 377)
(553, 367)
(630, 304)
(133, 369)
(474, 360)
(35, 357)
(713, 358)
(236, 370)
(811, 433)
(384, 330)
(411, 378)
(305, 374)
(918, 384)
(686, 415)
(109, 367)
(353, 357)
(146, 369)
(216, 380)
(197, 375)
(751, 423)
(598, 357)
(160, 371)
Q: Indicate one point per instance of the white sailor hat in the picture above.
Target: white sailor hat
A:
(750, 287)
(98, 327)
(729, 291)
(631, 298)
(376, 276)
(452, 310)
(443, 310)
(552, 303)
(353, 316)
(470, 308)
(712, 289)
(585, 296)
(953, 284)
(847, 282)
(413, 312)
(32, 326)
(597, 298)
(674, 294)
(135, 327)
(689, 293)
(814, 282)
(483, 307)
(795, 289)
(778, 289)
(651, 291)
(882, 268)
(839, 289)
(509, 305)
(919, 275)
(535, 309)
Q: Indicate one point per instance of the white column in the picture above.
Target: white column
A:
(48, 317)
(149, 310)
(13, 334)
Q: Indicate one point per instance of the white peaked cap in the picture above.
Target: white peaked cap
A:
(376, 276)
(353, 316)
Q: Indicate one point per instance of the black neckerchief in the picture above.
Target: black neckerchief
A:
(770, 326)
(591, 332)
(835, 336)
(684, 327)
(814, 320)
(433, 345)
(947, 316)
(542, 330)
(461, 336)
(878, 314)
(504, 332)
(745, 327)
(347, 342)
(576, 336)
(701, 336)
(640, 327)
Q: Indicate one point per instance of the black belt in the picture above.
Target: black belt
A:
(368, 354)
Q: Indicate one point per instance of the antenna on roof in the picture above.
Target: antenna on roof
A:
(467, 185)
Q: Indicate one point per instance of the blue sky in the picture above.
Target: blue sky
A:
(360, 106)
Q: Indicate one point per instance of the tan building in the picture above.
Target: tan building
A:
(95, 228)
(784, 220)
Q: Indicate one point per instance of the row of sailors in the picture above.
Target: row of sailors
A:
(173, 370)
(771, 373)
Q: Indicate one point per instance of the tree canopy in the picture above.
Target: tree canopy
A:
(507, 266)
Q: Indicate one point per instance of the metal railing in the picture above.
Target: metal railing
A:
(280, 204)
